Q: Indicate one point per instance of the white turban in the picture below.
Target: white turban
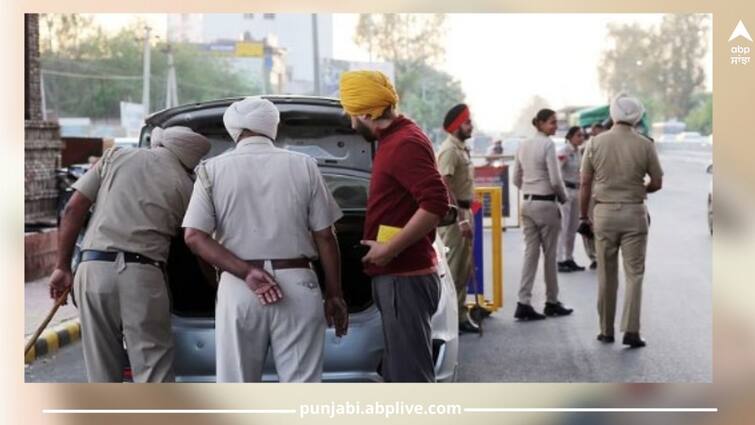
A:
(156, 137)
(253, 113)
(185, 144)
(626, 109)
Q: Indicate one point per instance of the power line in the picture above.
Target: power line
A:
(91, 76)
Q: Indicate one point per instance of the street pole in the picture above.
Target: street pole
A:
(42, 94)
(316, 54)
(171, 91)
(145, 79)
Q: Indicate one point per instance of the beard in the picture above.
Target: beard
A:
(365, 132)
(463, 135)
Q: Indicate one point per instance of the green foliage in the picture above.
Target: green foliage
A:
(428, 94)
(661, 65)
(414, 44)
(103, 69)
(700, 119)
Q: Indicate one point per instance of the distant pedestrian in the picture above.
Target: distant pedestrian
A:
(494, 152)
(570, 157)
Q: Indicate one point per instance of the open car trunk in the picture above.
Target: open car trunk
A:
(315, 126)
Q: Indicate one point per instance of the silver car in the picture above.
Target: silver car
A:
(318, 127)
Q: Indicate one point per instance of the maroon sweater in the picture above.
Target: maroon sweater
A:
(405, 177)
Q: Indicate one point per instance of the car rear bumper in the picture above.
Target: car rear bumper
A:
(352, 358)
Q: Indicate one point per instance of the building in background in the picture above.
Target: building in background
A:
(292, 32)
(259, 60)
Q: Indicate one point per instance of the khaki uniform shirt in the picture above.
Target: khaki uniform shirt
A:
(455, 163)
(140, 196)
(619, 160)
(262, 202)
(536, 169)
(571, 159)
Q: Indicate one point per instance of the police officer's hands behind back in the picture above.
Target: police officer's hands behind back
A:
(336, 313)
(264, 286)
(60, 282)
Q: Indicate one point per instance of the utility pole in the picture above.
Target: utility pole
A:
(145, 79)
(316, 54)
(171, 89)
(42, 94)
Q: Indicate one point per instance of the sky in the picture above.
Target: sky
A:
(501, 60)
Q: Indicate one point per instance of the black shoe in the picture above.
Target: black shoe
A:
(468, 327)
(608, 339)
(526, 312)
(563, 267)
(633, 340)
(574, 266)
(593, 265)
(556, 309)
(478, 313)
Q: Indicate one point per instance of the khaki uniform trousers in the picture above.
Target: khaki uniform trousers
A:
(294, 328)
(541, 223)
(569, 224)
(620, 227)
(124, 302)
(460, 262)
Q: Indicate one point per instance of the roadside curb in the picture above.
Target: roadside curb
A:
(54, 339)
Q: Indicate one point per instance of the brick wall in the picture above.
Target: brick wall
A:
(40, 253)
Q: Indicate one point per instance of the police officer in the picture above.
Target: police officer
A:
(570, 158)
(537, 175)
(456, 168)
(139, 197)
(261, 215)
(613, 174)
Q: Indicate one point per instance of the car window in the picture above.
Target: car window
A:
(349, 192)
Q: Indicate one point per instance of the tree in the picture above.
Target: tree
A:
(700, 119)
(661, 65)
(683, 43)
(402, 37)
(436, 92)
(90, 72)
(414, 44)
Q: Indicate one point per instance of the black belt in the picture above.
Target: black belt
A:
(294, 263)
(571, 185)
(621, 203)
(464, 204)
(129, 257)
(528, 197)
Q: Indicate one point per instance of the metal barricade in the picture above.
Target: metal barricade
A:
(492, 301)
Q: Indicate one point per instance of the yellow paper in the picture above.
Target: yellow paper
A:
(386, 233)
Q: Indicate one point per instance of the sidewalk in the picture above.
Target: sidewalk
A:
(62, 330)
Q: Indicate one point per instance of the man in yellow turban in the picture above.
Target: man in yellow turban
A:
(406, 201)
(367, 93)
